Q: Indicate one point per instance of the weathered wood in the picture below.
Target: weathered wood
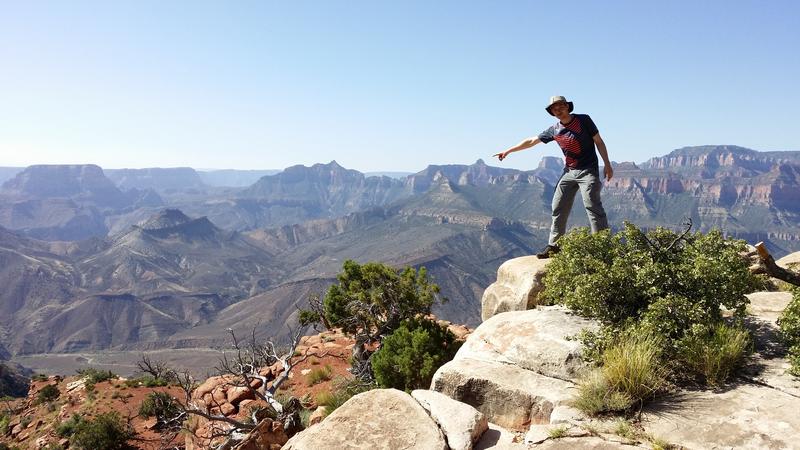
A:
(774, 270)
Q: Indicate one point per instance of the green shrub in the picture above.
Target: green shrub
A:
(789, 323)
(106, 432)
(67, 429)
(96, 375)
(716, 352)
(161, 405)
(39, 377)
(146, 381)
(319, 375)
(614, 278)
(408, 358)
(658, 284)
(47, 394)
(5, 419)
(369, 302)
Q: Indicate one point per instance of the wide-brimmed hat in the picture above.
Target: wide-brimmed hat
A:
(556, 99)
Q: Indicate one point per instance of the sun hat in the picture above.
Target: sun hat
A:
(558, 98)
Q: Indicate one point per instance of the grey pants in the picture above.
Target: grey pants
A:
(588, 181)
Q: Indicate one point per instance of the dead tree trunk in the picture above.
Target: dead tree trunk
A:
(774, 270)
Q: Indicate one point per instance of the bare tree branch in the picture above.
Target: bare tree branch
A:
(773, 269)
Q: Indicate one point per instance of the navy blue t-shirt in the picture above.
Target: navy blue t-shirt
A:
(575, 140)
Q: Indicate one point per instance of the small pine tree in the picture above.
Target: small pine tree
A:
(410, 356)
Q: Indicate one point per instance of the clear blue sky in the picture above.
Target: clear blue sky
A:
(380, 85)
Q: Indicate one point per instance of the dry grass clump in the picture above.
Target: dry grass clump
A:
(632, 372)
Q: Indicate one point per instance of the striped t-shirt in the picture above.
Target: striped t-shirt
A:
(575, 140)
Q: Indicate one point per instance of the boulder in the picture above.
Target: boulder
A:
(379, 419)
(790, 261)
(509, 396)
(519, 282)
(535, 340)
(238, 393)
(462, 424)
(317, 416)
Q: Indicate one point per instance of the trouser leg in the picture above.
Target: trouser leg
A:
(591, 185)
(563, 197)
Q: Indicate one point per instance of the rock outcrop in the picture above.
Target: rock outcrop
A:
(379, 419)
(519, 282)
(517, 367)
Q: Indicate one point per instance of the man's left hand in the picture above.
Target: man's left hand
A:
(609, 172)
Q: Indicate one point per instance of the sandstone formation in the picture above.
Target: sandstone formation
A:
(790, 261)
(519, 282)
(379, 419)
(462, 424)
(517, 367)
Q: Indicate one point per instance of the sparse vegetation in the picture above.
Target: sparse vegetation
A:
(319, 375)
(39, 377)
(47, 393)
(558, 432)
(789, 323)
(344, 390)
(410, 356)
(94, 376)
(107, 431)
(5, 419)
(658, 296)
(67, 429)
(162, 406)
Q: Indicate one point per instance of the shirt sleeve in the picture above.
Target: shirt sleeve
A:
(547, 135)
(590, 126)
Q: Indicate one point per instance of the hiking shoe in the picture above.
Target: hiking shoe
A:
(548, 251)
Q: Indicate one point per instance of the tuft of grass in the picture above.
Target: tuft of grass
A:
(631, 372)
(660, 444)
(623, 428)
(319, 375)
(343, 391)
(717, 353)
(557, 432)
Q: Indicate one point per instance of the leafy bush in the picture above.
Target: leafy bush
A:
(39, 377)
(716, 352)
(615, 278)
(161, 405)
(106, 432)
(47, 393)
(789, 323)
(410, 356)
(658, 284)
(319, 375)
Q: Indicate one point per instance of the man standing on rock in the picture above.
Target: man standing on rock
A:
(577, 136)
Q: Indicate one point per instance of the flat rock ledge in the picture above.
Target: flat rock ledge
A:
(539, 340)
(381, 419)
(519, 282)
